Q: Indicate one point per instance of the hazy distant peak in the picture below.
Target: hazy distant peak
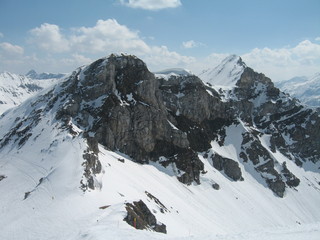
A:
(34, 75)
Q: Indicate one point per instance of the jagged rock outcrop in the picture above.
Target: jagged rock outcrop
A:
(140, 217)
(118, 103)
(255, 101)
(2, 177)
(274, 112)
(230, 167)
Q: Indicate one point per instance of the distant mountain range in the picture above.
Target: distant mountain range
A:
(15, 89)
(306, 89)
(34, 75)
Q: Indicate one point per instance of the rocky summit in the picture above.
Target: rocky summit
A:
(187, 127)
(118, 103)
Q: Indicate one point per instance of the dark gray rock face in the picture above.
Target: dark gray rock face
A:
(92, 165)
(263, 162)
(215, 186)
(140, 217)
(230, 167)
(280, 115)
(118, 103)
(291, 179)
(2, 177)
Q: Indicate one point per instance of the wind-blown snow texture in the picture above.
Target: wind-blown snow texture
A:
(58, 181)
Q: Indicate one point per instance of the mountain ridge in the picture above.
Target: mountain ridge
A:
(15, 89)
(34, 75)
(306, 89)
(112, 131)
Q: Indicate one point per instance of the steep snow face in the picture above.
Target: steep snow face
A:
(226, 74)
(167, 73)
(14, 89)
(306, 89)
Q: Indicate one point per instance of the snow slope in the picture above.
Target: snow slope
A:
(14, 89)
(41, 195)
(306, 89)
(226, 74)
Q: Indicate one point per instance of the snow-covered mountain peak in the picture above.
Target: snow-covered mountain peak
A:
(306, 89)
(113, 147)
(15, 89)
(226, 74)
(32, 74)
(6, 76)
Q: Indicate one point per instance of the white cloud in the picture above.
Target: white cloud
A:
(58, 51)
(285, 63)
(76, 60)
(307, 49)
(160, 58)
(189, 44)
(9, 50)
(317, 39)
(151, 4)
(107, 36)
(49, 37)
(104, 38)
(12, 57)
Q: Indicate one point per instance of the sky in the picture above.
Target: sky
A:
(279, 38)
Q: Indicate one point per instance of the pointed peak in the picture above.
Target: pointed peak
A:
(32, 74)
(32, 71)
(227, 73)
(233, 59)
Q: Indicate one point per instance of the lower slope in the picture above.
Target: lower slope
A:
(41, 194)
